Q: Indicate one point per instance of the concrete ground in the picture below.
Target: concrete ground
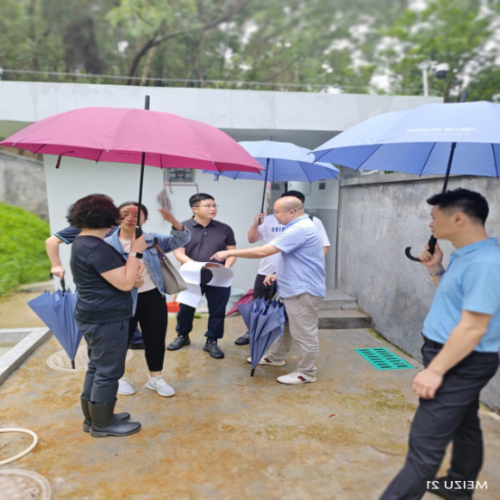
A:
(224, 435)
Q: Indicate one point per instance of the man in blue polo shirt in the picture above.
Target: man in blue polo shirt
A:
(301, 284)
(460, 352)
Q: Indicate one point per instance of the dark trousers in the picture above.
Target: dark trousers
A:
(151, 314)
(217, 298)
(260, 291)
(107, 348)
(451, 416)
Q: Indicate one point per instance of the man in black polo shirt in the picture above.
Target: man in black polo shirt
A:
(208, 237)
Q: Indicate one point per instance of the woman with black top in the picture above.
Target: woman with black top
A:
(103, 281)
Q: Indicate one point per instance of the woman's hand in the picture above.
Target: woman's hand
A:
(269, 279)
(170, 218)
(140, 278)
(138, 245)
(58, 271)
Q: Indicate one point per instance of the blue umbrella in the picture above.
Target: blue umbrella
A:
(246, 313)
(268, 319)
(57, 311)
(284, 162)
(460, 138)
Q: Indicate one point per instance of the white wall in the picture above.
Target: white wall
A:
(239, 200)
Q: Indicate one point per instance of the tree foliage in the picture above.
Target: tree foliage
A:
(309, 45)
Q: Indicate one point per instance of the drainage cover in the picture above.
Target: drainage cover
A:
(383, 359)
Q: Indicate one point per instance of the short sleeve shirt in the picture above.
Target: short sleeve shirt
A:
(206, 241)
(271, 229)
(471, 283)
(98, 300)
(301, 267)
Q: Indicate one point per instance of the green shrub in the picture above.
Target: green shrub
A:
(22, 248)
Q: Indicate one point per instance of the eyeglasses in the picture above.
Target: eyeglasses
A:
(278, 211)
(206, 206)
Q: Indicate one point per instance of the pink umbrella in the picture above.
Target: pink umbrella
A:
(136, 136)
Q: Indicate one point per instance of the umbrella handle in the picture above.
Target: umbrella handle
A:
(63, 283)
(138, 234)
(432, 247)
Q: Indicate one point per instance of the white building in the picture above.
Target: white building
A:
(307, 119)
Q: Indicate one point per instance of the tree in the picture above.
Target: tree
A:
(456, 32)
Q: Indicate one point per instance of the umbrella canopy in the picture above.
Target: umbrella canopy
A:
(57, 311)
(419, 141)
(460, 138)
(122, 135)
(266, 325)
(284, 162)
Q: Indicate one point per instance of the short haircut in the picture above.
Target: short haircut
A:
(472, 204)
(295, 194)
(93, 212)
(135, 204)
(196, 198)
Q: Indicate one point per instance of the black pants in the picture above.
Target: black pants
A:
(451, 416)
(217, 298)
(152, 316)
(260, 291)
(107, 348)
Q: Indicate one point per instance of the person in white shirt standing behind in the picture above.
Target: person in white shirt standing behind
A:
(267, 228)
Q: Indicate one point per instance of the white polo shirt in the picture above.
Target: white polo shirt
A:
(271, 229)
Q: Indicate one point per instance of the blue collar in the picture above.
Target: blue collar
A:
(115, 239)
(290, 224)
(473, 247)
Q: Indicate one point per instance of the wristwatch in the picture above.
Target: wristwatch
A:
(438, 273)
(137, 255)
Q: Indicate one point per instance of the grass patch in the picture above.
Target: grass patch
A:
(22, 248)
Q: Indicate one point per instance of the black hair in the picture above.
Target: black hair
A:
(295, 194)
(196, 198)
(144, 210)
(470, 203)
(95, 211)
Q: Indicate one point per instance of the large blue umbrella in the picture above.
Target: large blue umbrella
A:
(57, 311)
(459, 138)
(267, 322)
(284, 162)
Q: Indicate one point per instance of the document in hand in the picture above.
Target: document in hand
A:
(191, 272)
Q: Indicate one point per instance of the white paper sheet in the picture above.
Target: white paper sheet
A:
(191, 272)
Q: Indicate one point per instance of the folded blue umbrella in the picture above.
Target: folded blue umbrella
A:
(267, 323)
(57, 311)
(246, 313)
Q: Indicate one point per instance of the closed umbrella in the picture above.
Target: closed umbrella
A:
(57, 311)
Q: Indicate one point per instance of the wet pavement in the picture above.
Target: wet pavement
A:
(225, 435)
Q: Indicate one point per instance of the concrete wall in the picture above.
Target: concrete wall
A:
(379, 216)
(22, 183)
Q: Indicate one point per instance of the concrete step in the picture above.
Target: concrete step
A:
(336, 300)
(342, 320)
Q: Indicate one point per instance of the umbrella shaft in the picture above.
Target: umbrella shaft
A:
(448, 169)
(265, 188)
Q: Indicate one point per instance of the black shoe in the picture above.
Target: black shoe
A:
(105, 424)
(124, 417)
(213, 349)
(243, 340)
(438, 488)
(178, 343)
(136, 346)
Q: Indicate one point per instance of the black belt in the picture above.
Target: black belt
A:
(431, 343)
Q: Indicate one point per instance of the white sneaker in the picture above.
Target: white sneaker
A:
(295, 378)
(160, 386)
(125, 387)
(267, 361)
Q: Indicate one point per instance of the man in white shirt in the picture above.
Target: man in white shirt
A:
(266, 229)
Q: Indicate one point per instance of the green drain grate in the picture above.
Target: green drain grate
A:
(383, 359)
